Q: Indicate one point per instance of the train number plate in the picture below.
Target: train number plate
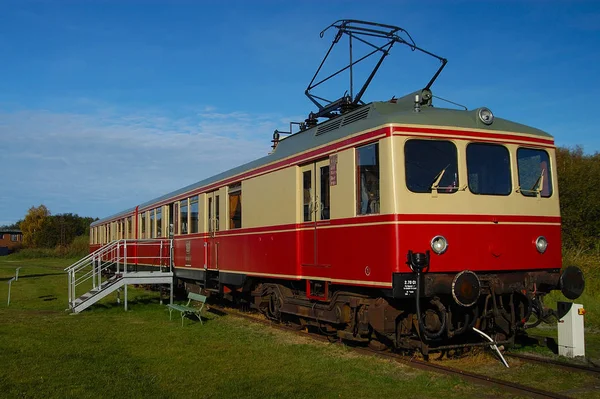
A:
(404, 285)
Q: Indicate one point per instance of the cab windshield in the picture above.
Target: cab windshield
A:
(534, 172)
(488, 167)
(431, 164)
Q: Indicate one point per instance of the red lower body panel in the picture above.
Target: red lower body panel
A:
(367, 250)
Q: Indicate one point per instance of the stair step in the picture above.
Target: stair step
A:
(211, 289)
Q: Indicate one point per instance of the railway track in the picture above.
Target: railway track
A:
(506, 386)
(547, 361)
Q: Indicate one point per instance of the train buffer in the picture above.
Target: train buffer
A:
(187, 309)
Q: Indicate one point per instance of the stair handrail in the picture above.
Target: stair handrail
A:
(100, 251)
(114, 258)
(90, 273)
(94, 273)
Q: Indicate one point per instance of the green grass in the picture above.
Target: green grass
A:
(106, 352)
(548, 378)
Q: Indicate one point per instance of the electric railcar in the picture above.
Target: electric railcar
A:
(392, 222)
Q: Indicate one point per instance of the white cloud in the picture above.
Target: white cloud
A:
(101, 163)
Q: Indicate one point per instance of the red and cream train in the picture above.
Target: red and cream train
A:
(392, 222)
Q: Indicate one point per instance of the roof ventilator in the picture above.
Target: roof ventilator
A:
(329, 126)
(356, 116)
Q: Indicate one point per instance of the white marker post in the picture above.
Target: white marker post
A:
(9, 285)
(571, 337)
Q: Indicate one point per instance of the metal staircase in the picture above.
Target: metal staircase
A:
(117, 265)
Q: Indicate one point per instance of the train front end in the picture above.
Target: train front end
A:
(479, 231)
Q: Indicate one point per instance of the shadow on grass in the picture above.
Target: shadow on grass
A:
(140, 302)
(193, 320)
(130, 302)
(216, 312)
(552, 345)
(534, 340)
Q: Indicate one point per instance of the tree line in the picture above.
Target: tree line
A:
(43, 230)
(579, 190)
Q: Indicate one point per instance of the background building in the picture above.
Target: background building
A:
(9, 240)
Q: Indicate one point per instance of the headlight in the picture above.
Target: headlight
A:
(466, 288)
(439, 245)
(541, 244)
(486, 116)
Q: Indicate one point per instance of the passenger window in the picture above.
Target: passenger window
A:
(210, 213)
(152, 225)
(306, 190)
(488, 167)
(324, 197)
(534, 172)
(217, 213)
(235, 206)
(367, 171)
(183, 212)
(194, 214)
(431, 164)
(171, 212)
(143, 225)
(159, 222)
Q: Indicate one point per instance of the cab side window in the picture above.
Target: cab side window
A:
(367, 176)
(235, 206)
(534, 172)
(183, 214)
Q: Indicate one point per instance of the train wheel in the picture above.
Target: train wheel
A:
(274, 308)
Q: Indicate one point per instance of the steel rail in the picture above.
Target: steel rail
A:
(567, 366)
(480, 379)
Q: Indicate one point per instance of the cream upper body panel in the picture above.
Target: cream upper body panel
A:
(270, 199)
(382, 122)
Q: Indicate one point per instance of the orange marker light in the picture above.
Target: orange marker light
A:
(581, 312)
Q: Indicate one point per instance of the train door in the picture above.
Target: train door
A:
(315, 210)
(213, 227)
(307, 232)
(322, 234)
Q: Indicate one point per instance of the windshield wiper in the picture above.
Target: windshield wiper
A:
(438, 179)
(537, 187)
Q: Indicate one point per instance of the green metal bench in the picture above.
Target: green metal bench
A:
(187, 309)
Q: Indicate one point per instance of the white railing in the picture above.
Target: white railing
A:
(118, 257)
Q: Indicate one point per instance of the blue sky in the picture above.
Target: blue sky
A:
(107, 104)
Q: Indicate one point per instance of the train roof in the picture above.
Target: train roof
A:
(366, 117)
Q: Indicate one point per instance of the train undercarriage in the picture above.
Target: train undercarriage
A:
(500, 304)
